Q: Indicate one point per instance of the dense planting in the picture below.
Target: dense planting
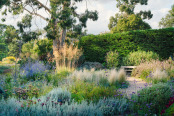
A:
(155, 71)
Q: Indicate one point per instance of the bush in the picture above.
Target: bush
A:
(112, 59)
(89, 91)
(9, 60)
(114, 106)
(33, 70)
(32, 89)
(152, 100)
(169, 111)
(135, 58)
(155, 71)
(160, 41)
(160, 76)
(59, 95)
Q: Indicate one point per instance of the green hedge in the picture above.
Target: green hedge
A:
(160, 41)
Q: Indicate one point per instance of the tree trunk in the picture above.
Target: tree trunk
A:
(57, 46)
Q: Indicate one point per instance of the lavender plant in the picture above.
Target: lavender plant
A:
(33, 70)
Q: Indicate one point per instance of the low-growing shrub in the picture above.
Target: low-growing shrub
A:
(9, 60)
(169, 111)
(151, 100)
(59, 95)
(89, 91)
(47, 107)
(138, 57)
(114, 106)
(155, 71)
(160, 76)
(32, 89)
(33, 70)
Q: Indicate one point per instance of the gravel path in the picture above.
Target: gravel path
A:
(135, 84)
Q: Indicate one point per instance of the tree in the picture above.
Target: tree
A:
(133, 22)
(168, 21)
(63, 17)
(126, 8)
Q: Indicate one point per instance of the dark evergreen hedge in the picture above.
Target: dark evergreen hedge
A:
(160, 41)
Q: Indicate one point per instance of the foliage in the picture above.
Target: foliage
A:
(33, 70)
(13, 49)
(68, 56)
(135, 58)
(132, 22)
(114, 106)
(112, 59)
(152, 100)
(63, 18)
(95, 47)
(116, 78)
(155, 71)
(44, 106)
(9, 60)
(59, 95)
(27, 50)
(37, 49)
(3, 50)
(89, 91)
(42, 48)
(168, 20)
(128, 7)
(128, 19)
(3, 68)
(169, 111)
(55, 79)
(105, 78)
(32, 89)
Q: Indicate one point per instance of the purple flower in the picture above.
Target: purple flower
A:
(33, 68)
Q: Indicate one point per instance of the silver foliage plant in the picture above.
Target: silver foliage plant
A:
(50, 106)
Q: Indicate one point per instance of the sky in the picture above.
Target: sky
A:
(106, 9)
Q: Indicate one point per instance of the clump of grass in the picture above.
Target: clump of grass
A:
(117, 76)
(113, 77)
(105, 78)
(68, 56)
(155, 70)
(160, 75)
(121, 76)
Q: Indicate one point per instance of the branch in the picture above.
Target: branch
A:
(32, 13)
(35, 14)
(43, 6)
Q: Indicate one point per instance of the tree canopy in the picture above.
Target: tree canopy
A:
(127, 12)
(133, 22)
(168, 20)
